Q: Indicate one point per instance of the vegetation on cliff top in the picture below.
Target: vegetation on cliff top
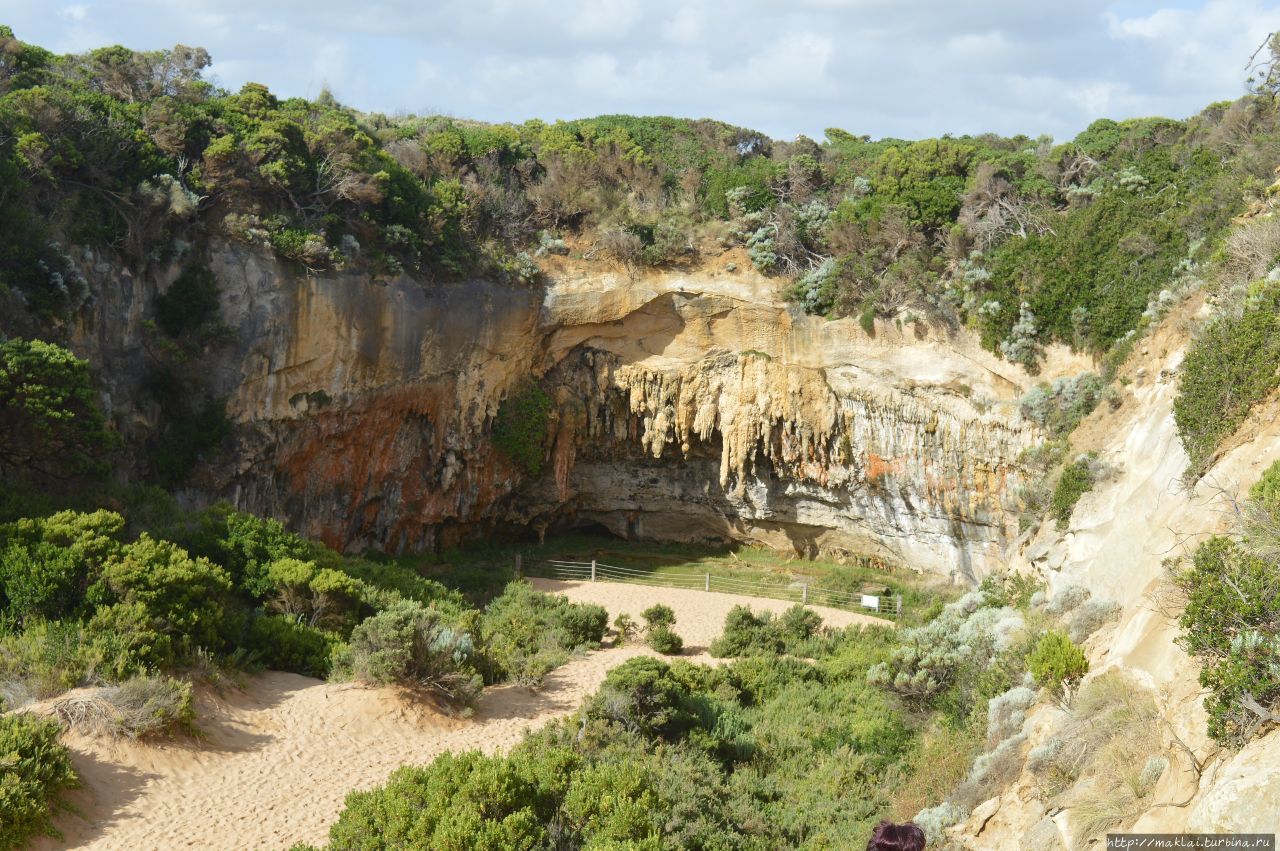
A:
(1026, 240)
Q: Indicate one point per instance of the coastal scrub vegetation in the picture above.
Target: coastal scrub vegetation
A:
(805, 737)
(1229, 592)
(1026, 240)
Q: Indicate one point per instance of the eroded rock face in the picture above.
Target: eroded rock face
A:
(694, 406)
(1245, 795)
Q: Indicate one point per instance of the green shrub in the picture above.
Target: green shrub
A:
(1233, 633)
(468, 802)
(1229, 368)
(49, 419)
(246, 545)
(132, 637)
(48, 563)
(659, 619)
(402, 581)
(805, 713)
(41, 581)
(1266, 490)
(410, 644)
(625, 627)
(319, 596)
(659, 615)
(617, 804)
(49, 657)
(1076, 480)
(1057, 662)
(1060, 407)
(943, 662)
(644, 697)
(524, 634)
(184, 596)
(798, 624)
(520, 428)
(1011, 589)
(664, 640)
(283, 644)
(746, 633)
(760, 678)
(37, 770)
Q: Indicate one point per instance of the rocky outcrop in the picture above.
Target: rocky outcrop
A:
(1116, 545)
(687, 406)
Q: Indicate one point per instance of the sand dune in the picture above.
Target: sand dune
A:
(279, 755)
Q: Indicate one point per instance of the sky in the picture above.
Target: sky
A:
(902, 68)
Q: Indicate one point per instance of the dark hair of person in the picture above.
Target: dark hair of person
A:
(888, 836)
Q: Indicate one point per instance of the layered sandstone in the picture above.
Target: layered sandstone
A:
(688, 405)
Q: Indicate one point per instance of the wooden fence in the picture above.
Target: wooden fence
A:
(799, 592)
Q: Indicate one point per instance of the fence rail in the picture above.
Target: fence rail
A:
(800, 592)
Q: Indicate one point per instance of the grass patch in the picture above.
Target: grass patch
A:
(481, 571)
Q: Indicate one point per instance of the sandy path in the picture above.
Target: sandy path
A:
(280, 756)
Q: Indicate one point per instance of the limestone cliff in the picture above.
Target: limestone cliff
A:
(692, 405)
(1119, 537)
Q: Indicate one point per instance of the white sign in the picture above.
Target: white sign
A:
(869, 602)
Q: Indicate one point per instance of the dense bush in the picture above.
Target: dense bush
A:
(37, 770)
(245, 545)
(1234, 635)
(283, 644)
(409, 644)
(524, 634)
(1057, 663)
(49, 657)
(1061, 406)
(49, 421)
(184, 597)
(1229, 368)
(1075, 481)
(745, 632)
(645, 697)
(467, 801)
(658, 633)
(929, 659)
(48, 564)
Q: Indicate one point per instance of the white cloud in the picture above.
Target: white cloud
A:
(608, 19)
(977, 45)
(75, 13)
(685, 27)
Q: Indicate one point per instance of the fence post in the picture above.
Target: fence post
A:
(804, 593)
(897, 605)
(707, 587)
(593, 570)
(517, 565)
